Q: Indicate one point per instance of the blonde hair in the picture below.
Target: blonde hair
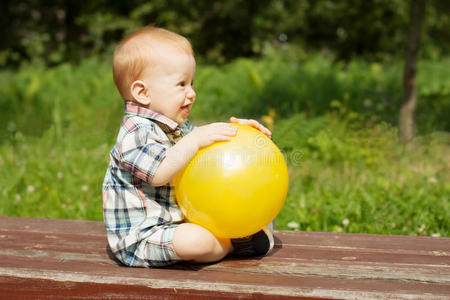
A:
(135, 53)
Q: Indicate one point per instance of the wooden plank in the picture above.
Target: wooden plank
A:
(87, 244)
(54, 253)
(363, 241)
(212, 281)
(312, 262)
(40, 289)
(285, 238)
(52, 225)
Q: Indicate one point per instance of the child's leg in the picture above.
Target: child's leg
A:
(193, 242)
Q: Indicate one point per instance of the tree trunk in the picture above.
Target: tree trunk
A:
(407, 127)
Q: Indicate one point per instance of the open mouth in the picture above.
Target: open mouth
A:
(186, 110)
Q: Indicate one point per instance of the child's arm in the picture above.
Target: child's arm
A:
(182, 152)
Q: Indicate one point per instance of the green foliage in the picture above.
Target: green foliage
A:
(53, 32)
(53, 176)
(57, 128)
(347, 170)
(361, 179)
(311, 84)
(34, 98)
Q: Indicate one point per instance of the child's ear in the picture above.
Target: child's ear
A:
(140, 93)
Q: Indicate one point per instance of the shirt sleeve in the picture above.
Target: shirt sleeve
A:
(141, 153)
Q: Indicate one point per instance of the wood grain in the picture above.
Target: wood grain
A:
(66, 259)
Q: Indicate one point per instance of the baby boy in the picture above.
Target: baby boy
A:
(154, 70)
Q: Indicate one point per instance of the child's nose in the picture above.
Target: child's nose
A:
(191, 94)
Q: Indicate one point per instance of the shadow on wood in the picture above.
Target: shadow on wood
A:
(59, 259)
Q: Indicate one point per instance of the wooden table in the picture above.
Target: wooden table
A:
(63, 259)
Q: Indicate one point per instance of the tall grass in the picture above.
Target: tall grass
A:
(335, 123)
(353, 176)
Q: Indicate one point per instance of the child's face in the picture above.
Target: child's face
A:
(170, 84)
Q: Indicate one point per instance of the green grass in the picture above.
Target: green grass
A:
(348, 179)
(335, 125)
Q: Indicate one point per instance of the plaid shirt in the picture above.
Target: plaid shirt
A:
(132, 207)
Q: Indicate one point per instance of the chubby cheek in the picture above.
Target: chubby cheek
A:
(177, 103)
(182, 99)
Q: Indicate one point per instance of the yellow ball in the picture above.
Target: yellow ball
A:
(234, 188)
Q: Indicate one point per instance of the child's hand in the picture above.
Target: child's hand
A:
(252, 123)
(215, 132)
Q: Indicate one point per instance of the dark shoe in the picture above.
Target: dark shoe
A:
(254, 245)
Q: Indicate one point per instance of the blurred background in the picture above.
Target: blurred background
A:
(366, 137)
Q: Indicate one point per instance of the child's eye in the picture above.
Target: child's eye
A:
(181, 83)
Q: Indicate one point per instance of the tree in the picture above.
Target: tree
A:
(58, 31)
(407, 127)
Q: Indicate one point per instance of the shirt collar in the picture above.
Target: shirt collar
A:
(134, 109)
